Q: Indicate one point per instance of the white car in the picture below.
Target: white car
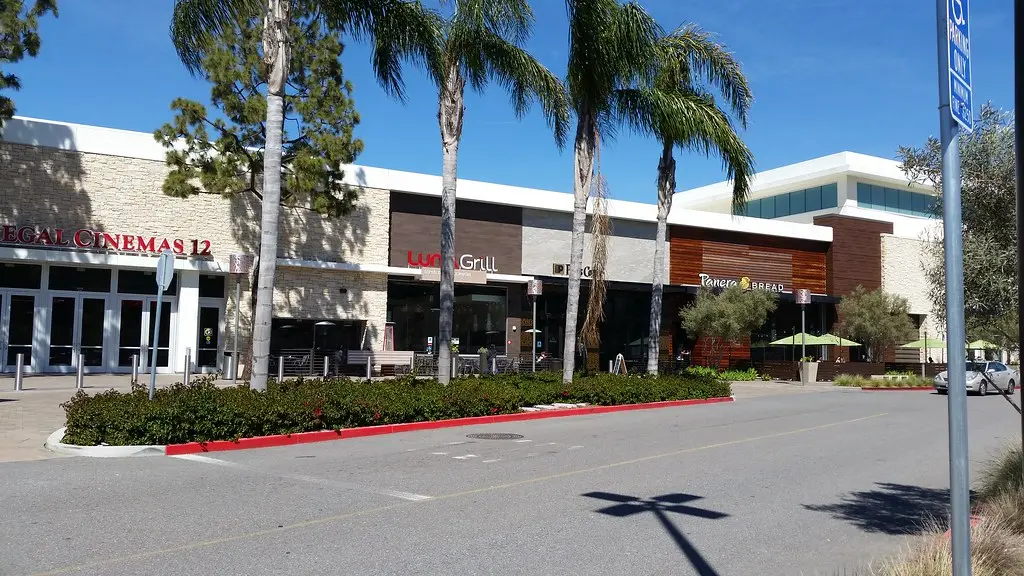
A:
(983, 377)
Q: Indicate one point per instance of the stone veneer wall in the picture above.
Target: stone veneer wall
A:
(116, 194)
(903, 275)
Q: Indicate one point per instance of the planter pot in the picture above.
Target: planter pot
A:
(808, 372)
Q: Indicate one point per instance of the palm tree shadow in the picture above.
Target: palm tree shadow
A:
(896, 509)
(661, 507)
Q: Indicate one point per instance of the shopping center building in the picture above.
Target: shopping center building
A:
(83, 219)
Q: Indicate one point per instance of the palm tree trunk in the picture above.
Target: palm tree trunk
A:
(276, 55)
(586, 144)
(666, 187)
(449, 116)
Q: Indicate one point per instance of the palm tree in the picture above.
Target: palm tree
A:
(398, 29)
(687, 56)
(481, 42)
(612, 48)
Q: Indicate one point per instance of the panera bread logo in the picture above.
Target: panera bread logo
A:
(743, 282)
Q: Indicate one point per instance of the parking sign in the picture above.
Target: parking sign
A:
(958, 36)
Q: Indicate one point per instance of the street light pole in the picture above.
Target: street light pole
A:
(953, 239)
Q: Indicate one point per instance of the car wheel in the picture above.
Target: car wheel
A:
(983, 390)
(1011, 387)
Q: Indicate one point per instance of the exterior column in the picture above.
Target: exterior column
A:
(188, 317)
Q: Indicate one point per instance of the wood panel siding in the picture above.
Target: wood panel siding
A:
(482, 230)
(855, 257)
(791, 262)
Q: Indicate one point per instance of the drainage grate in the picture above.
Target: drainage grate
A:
(494, 436)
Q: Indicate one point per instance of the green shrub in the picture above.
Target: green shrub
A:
(1002, 474)
(739, 375)
(204, 412)
(850, 380)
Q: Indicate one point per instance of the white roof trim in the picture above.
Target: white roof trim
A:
(142, 145)
(114, 260)
(380, 269)
(803, 174)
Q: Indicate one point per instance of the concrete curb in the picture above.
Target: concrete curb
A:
(53, 443)
(904, 389)
(344, 434)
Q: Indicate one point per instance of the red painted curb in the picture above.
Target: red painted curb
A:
(906, 388)
(362, 432)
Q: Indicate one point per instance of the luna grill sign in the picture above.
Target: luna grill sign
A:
(86, 239)
(743, 282)
(463, 262)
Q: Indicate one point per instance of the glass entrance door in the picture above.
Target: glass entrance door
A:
(17, 325)
(208, 347)
(136, 325)
(76, 332)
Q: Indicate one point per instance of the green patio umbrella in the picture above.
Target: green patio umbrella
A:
(925, 343)
(982, 345)
(833, 340)
(798, 339)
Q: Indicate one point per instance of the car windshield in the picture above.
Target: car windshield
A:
(975, 366)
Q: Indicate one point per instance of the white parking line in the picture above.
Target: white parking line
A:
(491, 460)
(521, 441)
(575, 447)
(412, 497)
(466, 457)
(438, 453)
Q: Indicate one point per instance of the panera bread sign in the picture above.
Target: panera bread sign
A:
(743, 282)
(86, 239)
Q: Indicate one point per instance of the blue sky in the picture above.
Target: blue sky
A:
(827, 76)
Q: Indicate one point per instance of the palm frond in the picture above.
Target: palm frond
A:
(690, 120)
(611, 45)
(690, 51)
(526, 80)
(398, 31)
(195, 23)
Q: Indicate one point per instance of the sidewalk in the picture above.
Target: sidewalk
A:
(29, 416)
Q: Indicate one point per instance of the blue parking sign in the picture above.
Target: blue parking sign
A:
(958, 34)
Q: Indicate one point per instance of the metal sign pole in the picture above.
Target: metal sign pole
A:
(1018, 98)
(803, 331)
(533, 332)
(954, 76)
(155, 346)
(164, 276)
(234, 338)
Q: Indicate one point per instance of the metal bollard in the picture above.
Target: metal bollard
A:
(135, 369)
(80, 373)
(455, 368)
(19, 369)
(369, 369)
(280, 368)
(494, 365)
(233, 370)
(188, 365)
(327, 365)
(611, 366)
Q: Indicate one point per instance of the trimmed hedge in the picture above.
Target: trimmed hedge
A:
(202, 412)
(853, 381)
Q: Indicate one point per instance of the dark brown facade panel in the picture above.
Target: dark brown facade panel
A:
(855, 257)
(464, 209)
(415, 237)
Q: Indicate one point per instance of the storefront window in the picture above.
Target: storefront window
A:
(25, 276)
(140, 282)
(80, 279)
(323, 337)
(211, 286)
(478, 317)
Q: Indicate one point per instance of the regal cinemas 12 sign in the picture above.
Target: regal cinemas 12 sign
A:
(743, 282)
(86, 239)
